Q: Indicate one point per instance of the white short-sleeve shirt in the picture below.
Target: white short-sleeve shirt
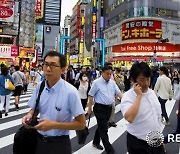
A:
(149, 114)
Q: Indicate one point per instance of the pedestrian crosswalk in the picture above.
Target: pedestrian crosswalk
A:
(117, 136)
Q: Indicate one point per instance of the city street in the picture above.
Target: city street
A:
(10, 124)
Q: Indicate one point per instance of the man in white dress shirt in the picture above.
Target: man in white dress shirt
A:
(141, 108)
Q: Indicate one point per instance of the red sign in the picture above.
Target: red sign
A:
(93, 32)
(146, 47)
(5, 12)
(81, 36)
(14, 51)
(142, 29)
(7, 2)
(39, 8)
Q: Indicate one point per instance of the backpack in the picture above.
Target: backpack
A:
(120, 82)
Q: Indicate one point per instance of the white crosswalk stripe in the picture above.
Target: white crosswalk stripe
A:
(10, 122)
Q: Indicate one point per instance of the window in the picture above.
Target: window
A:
(6, 40)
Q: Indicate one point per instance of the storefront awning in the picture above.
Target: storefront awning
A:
(112, 59)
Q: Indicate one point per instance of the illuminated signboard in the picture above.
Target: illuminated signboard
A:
(7, 11)
(39, 8)
(142, 29)
(8, 51)
(81, 36)
(146, 47)
(93, 32)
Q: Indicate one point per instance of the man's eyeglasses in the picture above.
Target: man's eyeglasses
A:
(51, 65)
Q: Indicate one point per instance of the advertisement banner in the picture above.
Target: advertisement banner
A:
(6, 12)
(39, 39)
(14, 51)
(8, 51)
(141, 29)
(5, 51)
(7, 2)
(146, 47)
(39, 8)
(26, 52)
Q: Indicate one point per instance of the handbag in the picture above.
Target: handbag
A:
(9, 85)
(25, 139)
(82, 134)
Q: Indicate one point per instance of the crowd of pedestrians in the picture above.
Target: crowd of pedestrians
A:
(142, 92)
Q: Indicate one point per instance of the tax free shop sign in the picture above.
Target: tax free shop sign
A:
(146, 47)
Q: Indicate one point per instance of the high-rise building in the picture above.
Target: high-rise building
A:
(77, 48)
(142, 30)
(49, 25)
(9, 19)
(66, 32)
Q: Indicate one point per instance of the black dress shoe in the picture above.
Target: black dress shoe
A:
(6, 114)
(98, 146)
(0, 114)
(112, 124)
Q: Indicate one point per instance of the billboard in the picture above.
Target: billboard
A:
(39, 39)
(6, 11)
(146, 47)
(8, 51)
(39, 8)
(141, 29)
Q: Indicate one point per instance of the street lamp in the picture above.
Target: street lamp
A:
(161, 40)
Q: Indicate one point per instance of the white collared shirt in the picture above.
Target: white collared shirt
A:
(148, 117)
(163, 87)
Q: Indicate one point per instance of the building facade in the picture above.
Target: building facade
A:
(77, 33)
(9, 26)
(48, 25)
(135, 30)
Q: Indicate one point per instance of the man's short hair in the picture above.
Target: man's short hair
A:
(105, 68)
(108, 64)
(62, 58)
(39, 65)
(17, 68)
(140, 68)
(164, 70)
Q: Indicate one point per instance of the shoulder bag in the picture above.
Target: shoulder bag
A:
(9, 85)
(82, 134)
(25, 139)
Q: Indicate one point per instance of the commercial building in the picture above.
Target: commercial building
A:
(48, 25)
(142, 30)
(78, 52)
(9, 19)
